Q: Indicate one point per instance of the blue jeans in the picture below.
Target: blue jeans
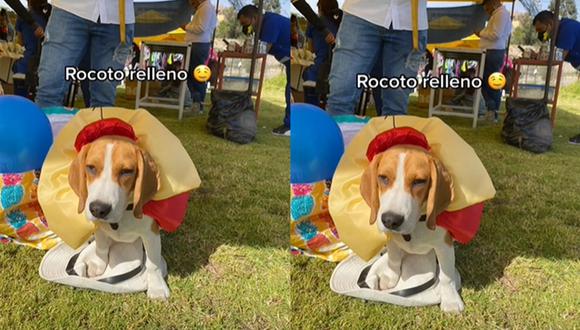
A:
(67, 38)
(287, 95)
(493, 61)
(85, 85)
(377, 72)
(358, 45)
(199, 54)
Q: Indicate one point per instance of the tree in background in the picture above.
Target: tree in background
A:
(531, 6)
(271, 6)
(524, 33)
(229, 26)
(567, 8)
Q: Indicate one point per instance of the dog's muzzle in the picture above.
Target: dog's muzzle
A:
(100, 210)
(391, 220)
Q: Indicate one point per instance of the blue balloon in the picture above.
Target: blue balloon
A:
(316, 144)
(25, 135)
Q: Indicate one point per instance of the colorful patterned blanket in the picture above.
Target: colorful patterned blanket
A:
(21, 219)
(312, 231)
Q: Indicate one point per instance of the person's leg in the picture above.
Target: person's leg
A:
(400, 59)
(85, 84)
(107, 52)
(287, 95)
(65, 40)
(198, 56)
(311, 95)
(575, 140)
(377, 72)
(357, 44)
(493, 62)
(284, 129)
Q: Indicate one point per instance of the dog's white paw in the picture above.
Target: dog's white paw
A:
(81, 269)
(388, 280)
(157, 288)
(95, 266)
(451, 302)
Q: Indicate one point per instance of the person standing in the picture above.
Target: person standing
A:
(304, 8)
(199, 33)
(6, 30)
(74, 28)
(331, 15)
(369, 27)
(494, 38)
(23, 14)
(568, 40)
(275, 32)
(296, 35)
(27, 36)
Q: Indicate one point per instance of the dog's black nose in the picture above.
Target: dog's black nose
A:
(392, 220)
(99, 209)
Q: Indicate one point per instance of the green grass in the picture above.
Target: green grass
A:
(228, 264)
(522, 269)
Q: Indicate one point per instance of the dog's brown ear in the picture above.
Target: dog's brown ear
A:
(146, 184)
(369, 188)
(440, 192)
(77, 178)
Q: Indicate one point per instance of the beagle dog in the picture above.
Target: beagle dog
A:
(406, 188)
(113, 178)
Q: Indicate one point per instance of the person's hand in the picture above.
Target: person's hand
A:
(330, 39)
(39, 32)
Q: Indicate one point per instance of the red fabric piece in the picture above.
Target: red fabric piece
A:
(396, 136)
(462, 224)
(168, 213)
(27, 230)
(104, 127)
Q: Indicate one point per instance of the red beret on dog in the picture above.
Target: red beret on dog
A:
(396, 136)
(104, 127)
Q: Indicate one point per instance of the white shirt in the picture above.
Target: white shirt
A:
(92, 10)
(201, 27)
(387, 12)
(498, 30)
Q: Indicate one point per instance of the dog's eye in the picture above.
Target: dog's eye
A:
(91, 169)
(383, 179)
(419, 182)
(126, 172)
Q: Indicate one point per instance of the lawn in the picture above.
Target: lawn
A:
(522, 269)
(228, 263)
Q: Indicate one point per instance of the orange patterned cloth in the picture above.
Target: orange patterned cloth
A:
(21, 219)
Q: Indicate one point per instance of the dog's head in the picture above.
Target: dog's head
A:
(399, 182)
(107, 173)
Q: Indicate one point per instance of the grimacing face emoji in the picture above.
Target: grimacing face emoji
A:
(496, 81)
(202, 73)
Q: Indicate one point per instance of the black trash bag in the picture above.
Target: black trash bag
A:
(232, 116)
(527, 125)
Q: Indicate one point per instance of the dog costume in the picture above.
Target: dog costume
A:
(471, 185)
(178, 175)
